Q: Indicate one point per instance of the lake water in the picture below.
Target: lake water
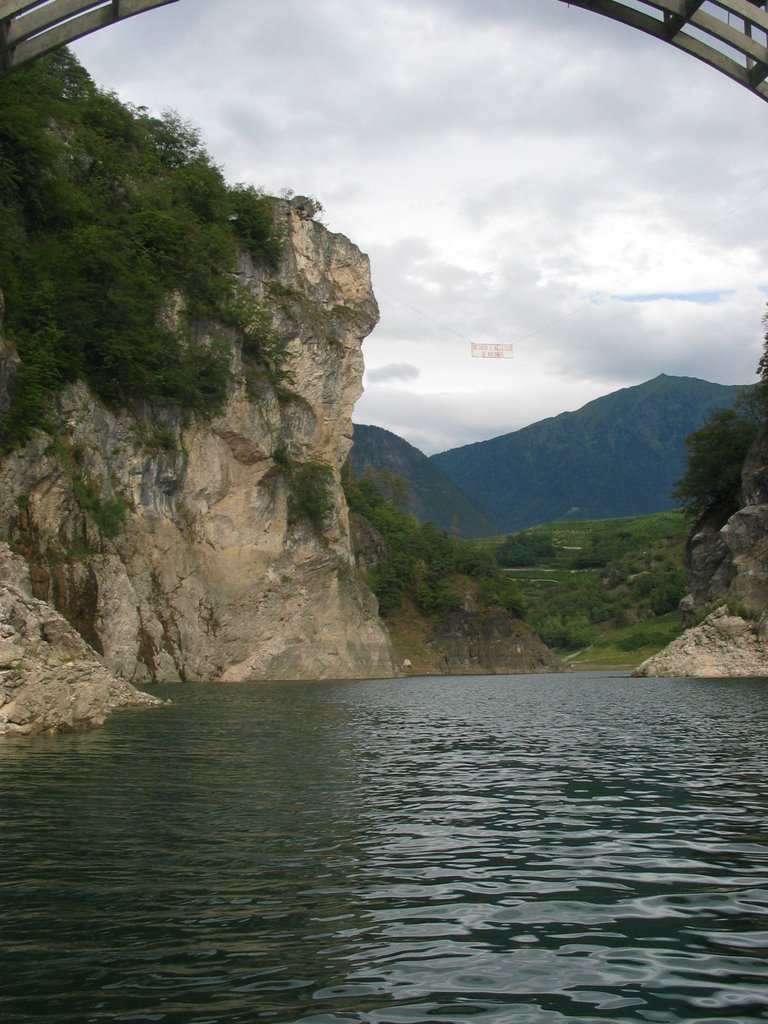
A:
(525, 848)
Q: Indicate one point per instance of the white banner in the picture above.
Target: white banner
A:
(491, 351)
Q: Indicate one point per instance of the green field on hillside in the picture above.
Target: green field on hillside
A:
(602, 593)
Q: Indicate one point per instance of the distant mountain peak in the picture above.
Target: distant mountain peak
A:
(619, 455)
(434, 497)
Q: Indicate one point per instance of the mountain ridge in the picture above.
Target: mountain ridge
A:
(433, 496)
(620, 454)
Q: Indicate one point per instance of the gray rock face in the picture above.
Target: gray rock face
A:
(168, 541)
(490, 642)
(50, 679)
(722, 645)
(474, 640)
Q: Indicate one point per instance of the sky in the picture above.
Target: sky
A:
(518, 171)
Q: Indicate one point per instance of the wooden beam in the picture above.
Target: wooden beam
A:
(675, 16)
(44, 18)
(32, 28)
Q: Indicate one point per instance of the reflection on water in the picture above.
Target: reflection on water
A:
(532, 849)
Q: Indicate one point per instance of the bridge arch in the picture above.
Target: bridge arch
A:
(729, 35)
(31, 28)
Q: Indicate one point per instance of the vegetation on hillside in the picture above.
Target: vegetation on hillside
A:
(105, 212)
(615, 581)
(424, 565)
(430, 495)
(710, 488)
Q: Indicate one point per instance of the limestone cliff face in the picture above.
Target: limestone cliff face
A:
(170, 542)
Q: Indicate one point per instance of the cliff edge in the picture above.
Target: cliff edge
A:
(183, 547)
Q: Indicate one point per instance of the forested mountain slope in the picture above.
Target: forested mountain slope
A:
(619, 455)
(432, 496)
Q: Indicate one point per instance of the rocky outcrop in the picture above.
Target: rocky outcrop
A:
(50, 679)
(473, 640)
(367, 543)
(722, 645)
(175, 544)
(489, 641)
(727, 569)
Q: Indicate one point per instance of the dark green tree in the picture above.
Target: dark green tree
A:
(711, 484)
(426, 564)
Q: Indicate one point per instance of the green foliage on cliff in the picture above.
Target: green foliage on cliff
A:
(310, 491)
(107, 514)
(105, 212)
(428, 566)
(264, 355)
(710, 487)
(711, 484)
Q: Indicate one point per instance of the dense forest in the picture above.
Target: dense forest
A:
(435, 570)
(105, 212)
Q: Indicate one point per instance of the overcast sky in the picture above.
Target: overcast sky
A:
(518, 171)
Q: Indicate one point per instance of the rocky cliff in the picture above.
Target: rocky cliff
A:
(469, 641)
(473, 641)
(723, 645)
(475, 636)
(50, 679)
(182, 547)
(731, 564)
(727, 569)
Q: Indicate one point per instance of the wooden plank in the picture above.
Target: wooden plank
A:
(45, 17)
(31, 29)
(676, 15)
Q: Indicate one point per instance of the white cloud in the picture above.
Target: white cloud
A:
(393, 371)
(518, 172)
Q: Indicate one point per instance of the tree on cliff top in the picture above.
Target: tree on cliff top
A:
(104, 212)
(710, 488)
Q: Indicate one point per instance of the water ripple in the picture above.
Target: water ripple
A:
(521, 849)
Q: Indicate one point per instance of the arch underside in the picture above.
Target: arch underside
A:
(31, 28)
(729, 35)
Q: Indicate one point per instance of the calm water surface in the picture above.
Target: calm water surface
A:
(533, 849)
